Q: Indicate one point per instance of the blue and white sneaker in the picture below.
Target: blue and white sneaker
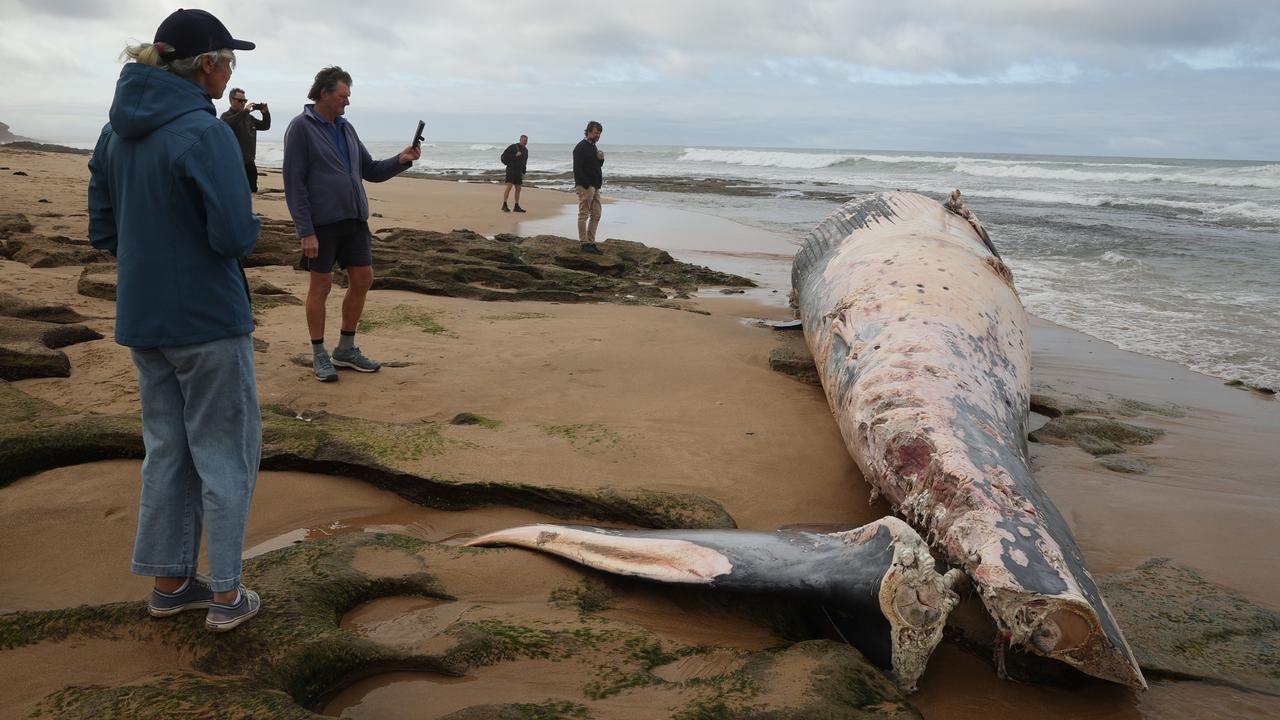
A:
(193, 595)
(323, 367)
(222, 618)
(354, 359)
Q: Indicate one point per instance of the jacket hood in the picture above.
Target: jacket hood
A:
(148, 97)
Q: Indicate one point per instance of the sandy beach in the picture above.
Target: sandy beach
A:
(593, 397)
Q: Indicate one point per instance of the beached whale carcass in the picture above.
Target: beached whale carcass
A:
(878, 583)
(921, 343)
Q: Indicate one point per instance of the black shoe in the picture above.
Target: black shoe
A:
(505, 208)
(591, 248)
(519, 209)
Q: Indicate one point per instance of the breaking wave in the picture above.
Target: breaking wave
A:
(1265, 176)
(766, 158)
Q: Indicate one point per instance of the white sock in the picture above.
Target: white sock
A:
(179, 591)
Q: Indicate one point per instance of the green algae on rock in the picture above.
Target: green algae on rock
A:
(295, 654)
(469, 418)
(582, 435)
(36, 435)
(401, 316)
(1097, 436)
(550, 268)
(588, 596)
(1185, 627)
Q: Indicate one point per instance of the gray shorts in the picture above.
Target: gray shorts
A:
(346, 242)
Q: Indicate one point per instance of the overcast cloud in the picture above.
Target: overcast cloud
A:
(1177, 78)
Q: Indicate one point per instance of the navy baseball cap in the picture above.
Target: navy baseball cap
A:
(193, 32)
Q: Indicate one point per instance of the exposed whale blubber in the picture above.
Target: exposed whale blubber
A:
(878, 582)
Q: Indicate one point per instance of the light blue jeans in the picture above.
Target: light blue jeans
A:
(203, 433)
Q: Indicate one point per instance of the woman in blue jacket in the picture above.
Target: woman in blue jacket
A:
(168, 197)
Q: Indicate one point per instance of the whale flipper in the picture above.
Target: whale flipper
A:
(878, 581)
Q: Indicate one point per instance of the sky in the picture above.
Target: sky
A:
(1147, 78)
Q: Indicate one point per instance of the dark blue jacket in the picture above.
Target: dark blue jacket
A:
(319, 187)
(169, 198)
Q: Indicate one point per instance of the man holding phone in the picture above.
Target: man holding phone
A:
(246, 128)
(324, 166)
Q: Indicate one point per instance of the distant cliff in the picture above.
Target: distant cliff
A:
(8, 137)
(17, 142)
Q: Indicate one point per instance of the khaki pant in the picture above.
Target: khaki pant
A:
(588, 206)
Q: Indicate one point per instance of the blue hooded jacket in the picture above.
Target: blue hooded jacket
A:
(169, 198)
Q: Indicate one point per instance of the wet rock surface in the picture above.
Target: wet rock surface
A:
(1182, 626)
(98, 280)
(1091, 425)
(1096, 436)
(1260, 389)
(22, 360)
(789, 361)
(19, 243)
(29, 348)
(14, 306)
(791, 356)
(460, 263)
(52, 335)
(1122, 464)
(466, 264)
(1047, 402)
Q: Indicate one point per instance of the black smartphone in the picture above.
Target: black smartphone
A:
(417, 135)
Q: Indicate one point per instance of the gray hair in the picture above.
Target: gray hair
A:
(327, 81)
(149, 54)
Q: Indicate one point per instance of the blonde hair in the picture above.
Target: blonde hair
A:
(150, 54)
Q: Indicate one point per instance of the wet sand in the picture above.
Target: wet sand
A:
(659, 399)
(1212, 496)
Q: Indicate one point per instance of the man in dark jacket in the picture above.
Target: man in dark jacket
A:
(324, 164)
(168, 198)
(516, 158)
(246, 128)
(587, 179)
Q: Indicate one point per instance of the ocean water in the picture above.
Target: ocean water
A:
(1179, 259)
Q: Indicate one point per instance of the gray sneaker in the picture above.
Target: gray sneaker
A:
(323, 367)
(222, 618)
(195, 595)
(354, 359)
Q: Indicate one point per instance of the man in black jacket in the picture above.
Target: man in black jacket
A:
(587, 179)
(516, 158)
(246, 128)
